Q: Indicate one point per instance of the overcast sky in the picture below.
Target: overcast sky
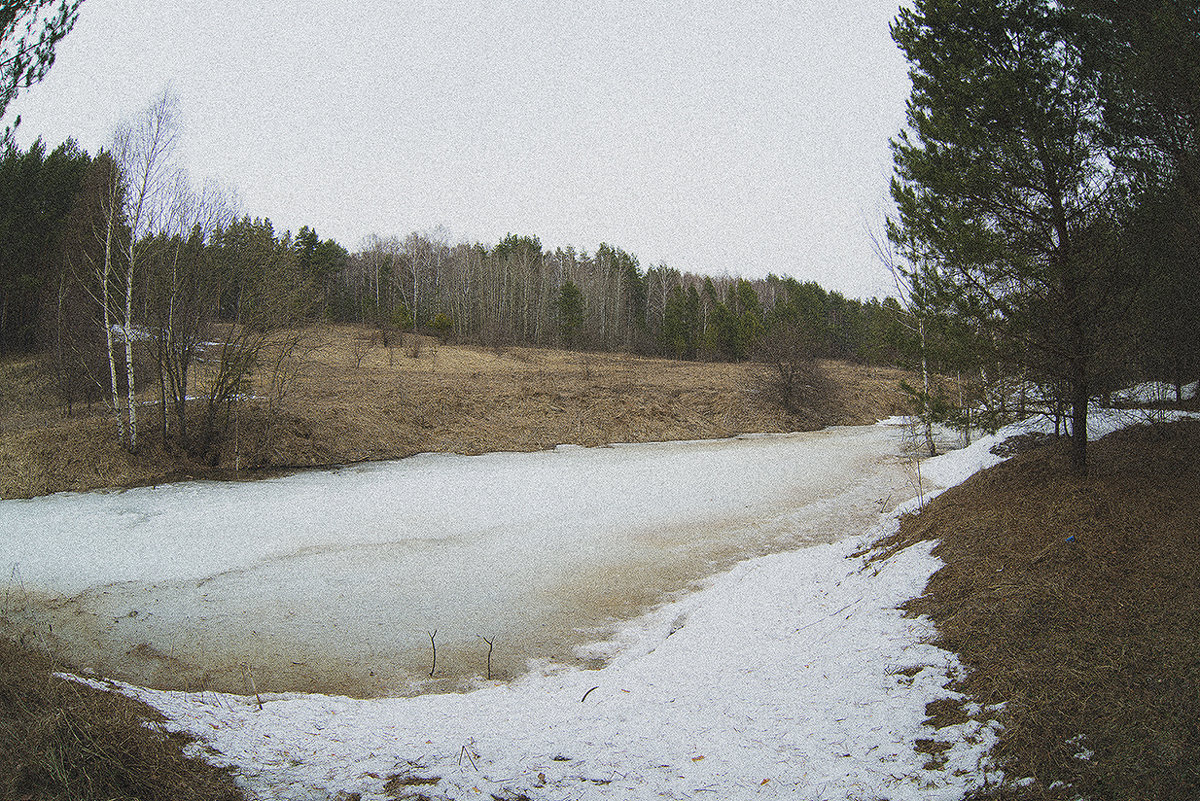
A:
(745, 138)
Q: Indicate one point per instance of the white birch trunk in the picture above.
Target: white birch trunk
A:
(129, 399)
(105, 303)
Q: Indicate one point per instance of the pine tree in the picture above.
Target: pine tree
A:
(570, 314)
(1003, 182)
(29, 32)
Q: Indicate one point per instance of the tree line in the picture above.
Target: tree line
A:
(122, 275)
(1047, 191)
(517, 292)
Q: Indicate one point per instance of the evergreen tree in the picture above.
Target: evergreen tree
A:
(681, 323)
(37, 193)
(1003, 184)
(29, 31)
(320, 262)
(570, 314)
(1148, 55)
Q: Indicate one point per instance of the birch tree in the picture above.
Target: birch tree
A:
(182, 292)
(134, 209)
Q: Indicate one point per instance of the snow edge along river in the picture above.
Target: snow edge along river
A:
(792, 674)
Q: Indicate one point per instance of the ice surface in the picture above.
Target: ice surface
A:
(335, 580)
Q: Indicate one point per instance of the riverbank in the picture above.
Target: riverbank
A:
(1055, 655)
(800, 673)
(354, 400)
(1071, 602)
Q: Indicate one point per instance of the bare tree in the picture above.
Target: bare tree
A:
(261, 343)
(915, 305)
(133, 210)
(182, 292)
(791, 376)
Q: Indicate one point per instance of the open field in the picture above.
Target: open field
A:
(354, 400)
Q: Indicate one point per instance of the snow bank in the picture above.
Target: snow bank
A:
(1153, 392)
(955, 467)
(791, 674)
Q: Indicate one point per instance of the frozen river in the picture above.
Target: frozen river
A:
(333, 581)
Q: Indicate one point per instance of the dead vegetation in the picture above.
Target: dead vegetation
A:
(1072, 601)
(357, 398)
(61, 740)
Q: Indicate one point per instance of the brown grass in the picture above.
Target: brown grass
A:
(354, 400)
(61, 740)
(350, 405)
(1073, 601)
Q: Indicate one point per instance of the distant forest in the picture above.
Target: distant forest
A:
(514, 292)
(119, 274)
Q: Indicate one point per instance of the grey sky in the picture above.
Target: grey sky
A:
(736, 137)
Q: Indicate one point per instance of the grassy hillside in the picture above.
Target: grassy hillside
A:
(354, 399)
(1073, 601)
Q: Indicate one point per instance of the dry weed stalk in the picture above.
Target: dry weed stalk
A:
(490, 644)
(359, 347)
(249, 679)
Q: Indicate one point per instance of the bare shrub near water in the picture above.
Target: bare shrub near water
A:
(791, 375)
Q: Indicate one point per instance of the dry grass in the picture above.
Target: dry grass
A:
(63, 741)
(1073, 602)
(357, 400)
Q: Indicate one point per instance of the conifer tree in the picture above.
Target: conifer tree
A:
(29, 32)
(1003, 182)
(570, 314)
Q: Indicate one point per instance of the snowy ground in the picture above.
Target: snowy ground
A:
(1155, 392)
(791, 675)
